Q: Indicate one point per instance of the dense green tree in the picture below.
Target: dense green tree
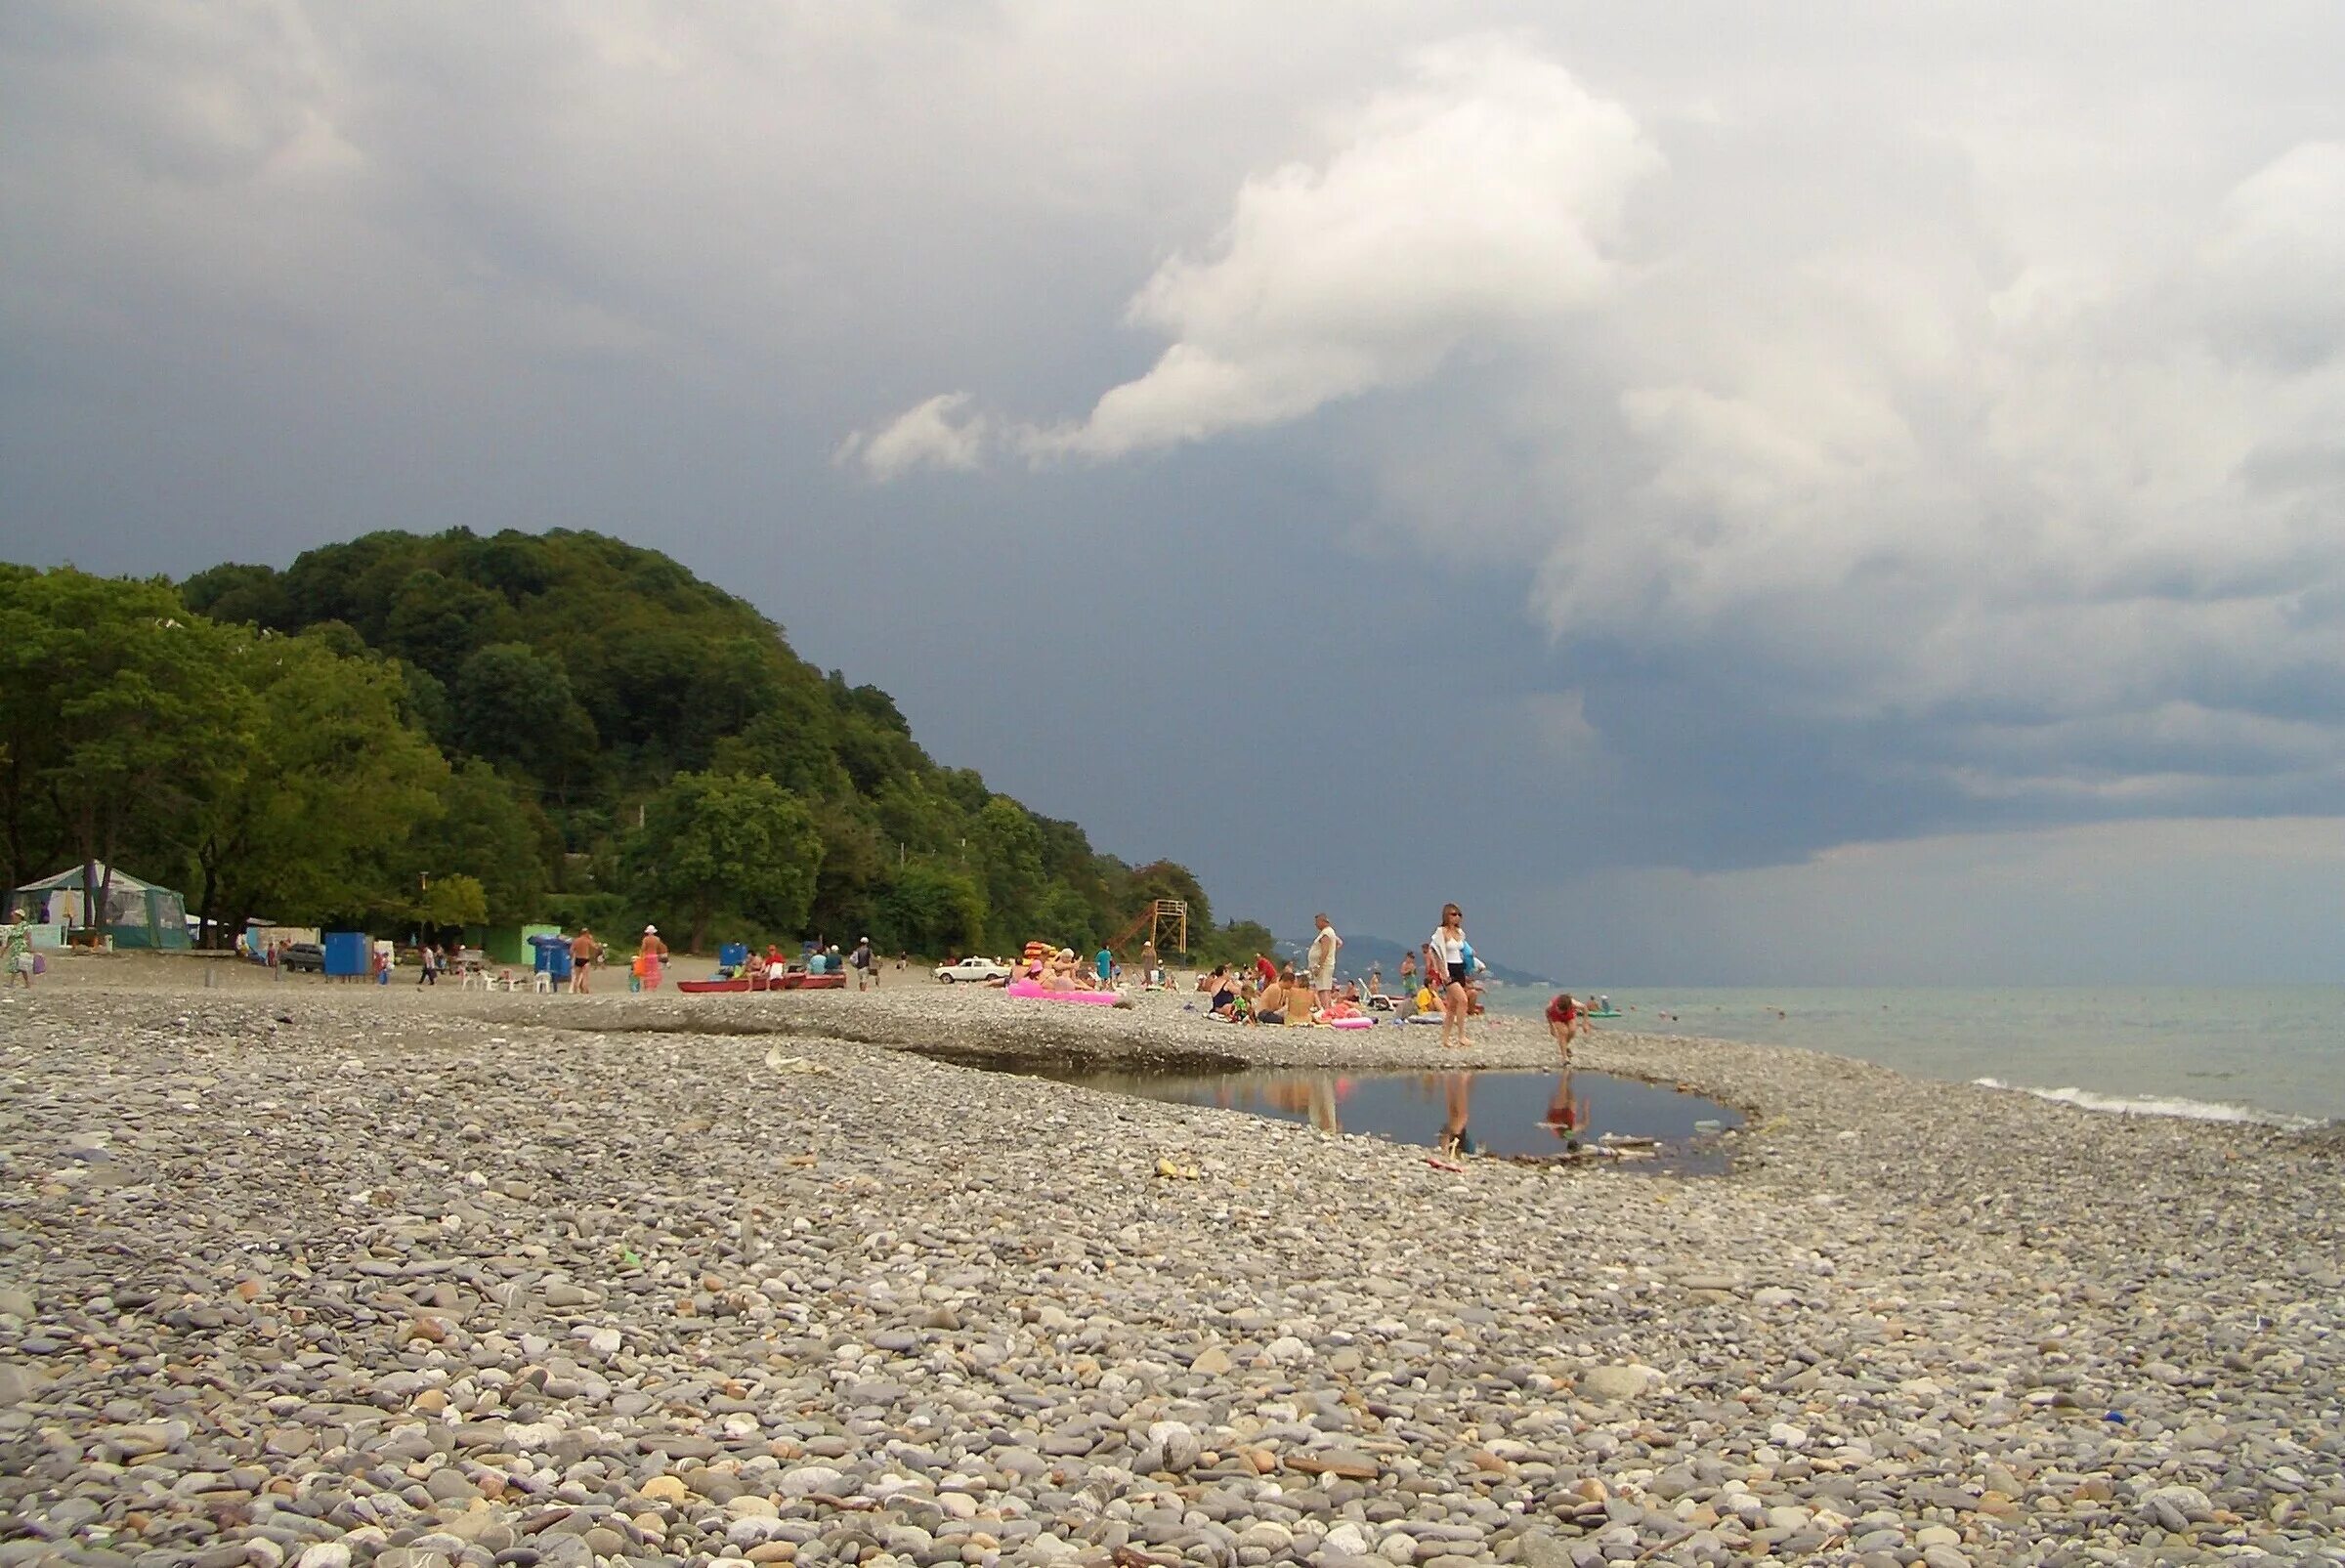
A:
(966, 788)
(873, 741)
(1065, 916)
(589, 673)
(1234, 942)
(1006, 848)
(320, 807)
(425, 700)
(34, 839)
(911, 819)
(722, 846)
(450, 902)
(239, 595)
(856, 866)
(117, 712)
(790, 742)
(437, 622)
(932, 909)
(512, 705)
(488, 832)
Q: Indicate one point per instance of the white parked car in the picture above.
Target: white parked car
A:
(978, 969)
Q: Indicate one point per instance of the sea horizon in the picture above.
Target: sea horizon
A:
(2270, 1053)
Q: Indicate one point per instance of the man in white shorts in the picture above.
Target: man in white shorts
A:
(1323, 963)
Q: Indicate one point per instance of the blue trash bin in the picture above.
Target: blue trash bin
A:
(552, 956)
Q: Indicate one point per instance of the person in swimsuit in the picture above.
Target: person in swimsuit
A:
(652, 955)
(1224, 994)
(1276, 999)
(1564, 1015)
(1448, 950)
(583, 950)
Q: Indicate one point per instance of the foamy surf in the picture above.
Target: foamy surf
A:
(2153, 1105)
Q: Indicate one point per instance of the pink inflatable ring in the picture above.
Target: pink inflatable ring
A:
(1028, 988)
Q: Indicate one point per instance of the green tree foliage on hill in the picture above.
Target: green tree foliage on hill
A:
(485, 830)
(117, 726)
(722, 847)
(327, 792)
(927, 909)
(440, 730)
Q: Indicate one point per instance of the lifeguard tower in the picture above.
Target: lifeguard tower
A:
(1162, 918)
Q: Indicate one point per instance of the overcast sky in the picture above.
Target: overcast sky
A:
(1832, 493)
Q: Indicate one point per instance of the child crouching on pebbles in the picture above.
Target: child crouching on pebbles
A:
(1563, 1016)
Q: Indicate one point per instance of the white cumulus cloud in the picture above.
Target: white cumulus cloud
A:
(926, 435)
(1480, 202)
(1912, 411)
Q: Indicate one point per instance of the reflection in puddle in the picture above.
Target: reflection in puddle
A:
(1514, 1115)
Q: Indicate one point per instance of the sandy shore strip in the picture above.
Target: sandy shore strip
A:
(307, 1274)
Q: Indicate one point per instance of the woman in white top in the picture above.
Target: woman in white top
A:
(1448, 948)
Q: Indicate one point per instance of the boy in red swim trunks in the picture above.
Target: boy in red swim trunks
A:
(1564, 1021)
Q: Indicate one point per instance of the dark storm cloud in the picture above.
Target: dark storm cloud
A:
(1433, 449)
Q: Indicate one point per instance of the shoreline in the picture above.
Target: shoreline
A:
(173, 971)
(970, 1321)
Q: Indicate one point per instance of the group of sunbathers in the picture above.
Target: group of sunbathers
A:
(1282, 998)
(1063, 971)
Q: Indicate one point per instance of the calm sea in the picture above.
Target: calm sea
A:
(2251, 1052)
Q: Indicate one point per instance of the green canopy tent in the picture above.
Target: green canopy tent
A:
(138, 914)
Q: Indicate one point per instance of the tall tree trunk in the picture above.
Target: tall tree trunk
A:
(209, 906)
(18, 872)
(103, 832)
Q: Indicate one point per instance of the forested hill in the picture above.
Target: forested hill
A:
(584, 730)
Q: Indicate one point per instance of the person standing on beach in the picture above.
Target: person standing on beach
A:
(652, 954)
(867, 967)
(15, 951)
(1408, 973)
(1264, 969)
(1449, 950)
(583, 952)
(1324, 946)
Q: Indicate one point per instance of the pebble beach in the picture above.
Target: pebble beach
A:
(301, 1274)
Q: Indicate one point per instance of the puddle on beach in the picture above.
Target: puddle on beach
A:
(1578, 1115)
